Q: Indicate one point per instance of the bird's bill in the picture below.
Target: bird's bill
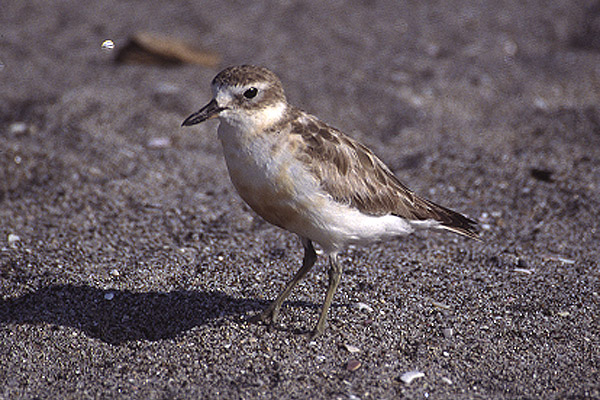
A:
(207, 112)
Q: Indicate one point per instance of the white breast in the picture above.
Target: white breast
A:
(281, 190)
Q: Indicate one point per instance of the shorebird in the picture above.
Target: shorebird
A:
(309, 178)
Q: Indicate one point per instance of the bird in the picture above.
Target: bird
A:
(311, 179)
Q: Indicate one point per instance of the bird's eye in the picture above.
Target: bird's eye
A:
(250, 93)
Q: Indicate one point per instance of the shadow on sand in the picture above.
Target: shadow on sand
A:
(115, 316)
(118, 316)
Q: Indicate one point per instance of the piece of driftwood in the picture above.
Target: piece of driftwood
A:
(157, 49)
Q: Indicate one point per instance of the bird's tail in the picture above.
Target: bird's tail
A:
(448, 220)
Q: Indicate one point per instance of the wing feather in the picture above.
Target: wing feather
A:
(353, 175)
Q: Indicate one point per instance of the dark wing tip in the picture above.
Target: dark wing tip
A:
(456, 222)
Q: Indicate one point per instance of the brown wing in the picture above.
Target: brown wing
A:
(353, 175)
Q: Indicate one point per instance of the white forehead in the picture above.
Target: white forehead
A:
(226, 93)
(239, 88)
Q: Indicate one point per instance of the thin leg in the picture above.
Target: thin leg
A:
(271, 312)
(335, 273)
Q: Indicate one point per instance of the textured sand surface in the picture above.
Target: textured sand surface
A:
(128, 265)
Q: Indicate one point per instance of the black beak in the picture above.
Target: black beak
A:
(209, 111)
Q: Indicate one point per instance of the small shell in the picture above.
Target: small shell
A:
(351, 349)
(410, 376)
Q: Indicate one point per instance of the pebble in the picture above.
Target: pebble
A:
(167, 88)
(448, 332)
(12, 238)
(510, 47)
(364, 307)
(521, 263)
(17, 128)
(353, 365)
(410, 376)
(159, 142)
(115, 272)
(109, 296)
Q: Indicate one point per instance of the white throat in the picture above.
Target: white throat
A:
(254, 120)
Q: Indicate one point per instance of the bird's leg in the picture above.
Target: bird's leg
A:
(335, 273)
(271, 312)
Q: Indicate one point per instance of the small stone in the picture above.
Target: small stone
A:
(109, 296)
(364, 307)
(510, 47)
(17, 128)
(540, 103)
(167, 88)
(159, 143)
(448, 332)
(115, 272)
(12, 238)
(353, 365)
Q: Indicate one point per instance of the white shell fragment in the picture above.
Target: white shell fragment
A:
(12, 238)
(441, 306)
(410, 376)
(107, 45)
(447, 381)
(351, 349)
(364, 307)
(525, 271)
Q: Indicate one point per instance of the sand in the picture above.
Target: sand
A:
(129, 266)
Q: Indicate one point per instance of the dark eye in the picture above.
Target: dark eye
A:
(250, 93)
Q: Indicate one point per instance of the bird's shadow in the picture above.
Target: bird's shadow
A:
(117, 316)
